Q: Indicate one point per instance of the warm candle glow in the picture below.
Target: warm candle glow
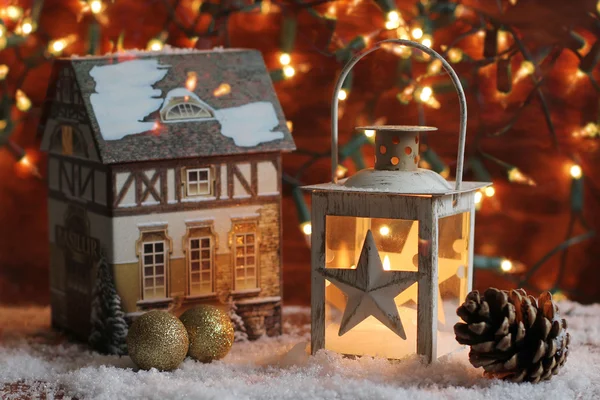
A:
(369, 133)
(342, 95)
(386, 263)
(478, 197)
(576, 171)
(490, 191)
(384, 230)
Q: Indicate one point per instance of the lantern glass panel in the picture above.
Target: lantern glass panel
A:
(453, 276)
(397, 243)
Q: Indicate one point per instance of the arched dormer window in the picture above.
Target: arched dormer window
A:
(183, 105)
(185, 110)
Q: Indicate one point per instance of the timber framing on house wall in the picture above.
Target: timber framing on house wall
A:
(81, 179)
(154, 192)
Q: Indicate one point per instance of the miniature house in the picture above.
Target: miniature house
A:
(392, 246)
(167, 164)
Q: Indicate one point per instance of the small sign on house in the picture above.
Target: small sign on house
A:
(168, 165)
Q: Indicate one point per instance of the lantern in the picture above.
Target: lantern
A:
(392, 246)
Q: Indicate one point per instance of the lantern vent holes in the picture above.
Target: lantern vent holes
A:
(382, 149)
(407, 150)
(394, 160)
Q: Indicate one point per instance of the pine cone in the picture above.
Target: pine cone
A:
(512, 335)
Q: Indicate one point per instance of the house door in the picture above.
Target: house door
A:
(80, 255)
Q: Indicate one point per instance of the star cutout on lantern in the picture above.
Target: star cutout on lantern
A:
(370, 289)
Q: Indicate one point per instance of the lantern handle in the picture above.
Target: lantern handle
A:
(453, 76)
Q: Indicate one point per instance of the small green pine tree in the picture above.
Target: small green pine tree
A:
(109, 328)
(240, 334)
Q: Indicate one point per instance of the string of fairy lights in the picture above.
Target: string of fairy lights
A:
(501, 44)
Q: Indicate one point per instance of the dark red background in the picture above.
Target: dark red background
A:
(520, 222)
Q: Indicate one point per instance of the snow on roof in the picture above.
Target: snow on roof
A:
(249, 125)
(166, 50)
(123, 94)
(120, 105)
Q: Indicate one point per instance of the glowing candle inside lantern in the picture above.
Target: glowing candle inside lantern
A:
(386, 263)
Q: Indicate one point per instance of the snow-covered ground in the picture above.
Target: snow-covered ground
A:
(42, 362)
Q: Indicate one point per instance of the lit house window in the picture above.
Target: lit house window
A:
(200, 265)
(245, 257)
(198, 182)
(67, 140)
(154, 270)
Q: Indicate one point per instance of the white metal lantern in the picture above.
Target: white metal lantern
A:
(392, 246)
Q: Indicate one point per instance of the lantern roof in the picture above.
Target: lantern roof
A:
(410, 188)
(396, 166)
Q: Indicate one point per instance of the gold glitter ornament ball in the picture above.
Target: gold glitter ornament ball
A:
(210, 331)
(157, 339)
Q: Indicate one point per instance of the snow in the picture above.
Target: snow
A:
(260, 300)
(157, 224)
(125, 96)
(166, 50)
(198, 220)
(245, 215)
(249, 125)
(197, 199)
(277, 368)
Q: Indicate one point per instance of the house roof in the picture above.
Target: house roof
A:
(226, 96)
